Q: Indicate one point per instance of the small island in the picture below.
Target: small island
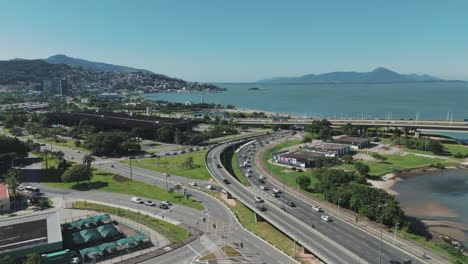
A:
(257, 89)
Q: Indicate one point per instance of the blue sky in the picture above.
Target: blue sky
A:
(244, 40)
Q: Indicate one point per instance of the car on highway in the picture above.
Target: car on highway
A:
(226, 181)
(219, 166)
(260, 206)
(150, 203)
(258, 199)
(274, 194)
(166, 203)
(290, 204)
(261, 176)
(316, 208)
(224, 191)
(276, 190)
(247, 175)
(325, 218)
(137, 200)
(209, 187)
(192, 183)
(154, 155)
(263, 187)
(163, 206)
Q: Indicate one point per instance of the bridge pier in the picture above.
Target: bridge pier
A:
(229, 195)
(417, 133)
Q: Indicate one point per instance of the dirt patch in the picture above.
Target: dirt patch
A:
(231, 202)
(430, 208)
(386, 182)
(309, 258)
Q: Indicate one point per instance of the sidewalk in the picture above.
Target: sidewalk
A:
(349, 216)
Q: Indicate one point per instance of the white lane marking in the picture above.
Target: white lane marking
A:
(194, 250)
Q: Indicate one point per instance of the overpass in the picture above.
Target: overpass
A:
(459, 125)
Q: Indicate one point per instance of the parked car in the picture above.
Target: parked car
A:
(137, 200)
(166, 203)
(325, 218)
(316, 208)
(150, 203)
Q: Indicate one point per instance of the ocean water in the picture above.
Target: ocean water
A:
(430, 100)
(437, 196)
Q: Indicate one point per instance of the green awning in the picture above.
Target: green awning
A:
(102, 218)
(108, 230)
(82, 222)
(90, 250)
(90, 235)
(77, 239)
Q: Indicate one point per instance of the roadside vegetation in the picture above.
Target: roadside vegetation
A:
(101, 180)
(179, 165)
(170, 231)
(229, 160)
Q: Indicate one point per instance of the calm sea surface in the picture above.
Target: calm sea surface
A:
(431, 100)
(429, 196)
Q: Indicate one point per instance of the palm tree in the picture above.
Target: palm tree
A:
(88, 159)
(13, 180)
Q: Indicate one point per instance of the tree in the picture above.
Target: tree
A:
(13, 180)
(7, 260)
(188, 163)
(350, 130)
(60, 155)
(307, 138)
(77, 143)
(347, 159)
(33, 259)
(303, 181)
(377, 156)
(88, 159)
(77, 173)
(362, 168)
(435, 147)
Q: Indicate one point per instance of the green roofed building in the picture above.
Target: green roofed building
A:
(109, 231)
(31, 234)
(91, 235)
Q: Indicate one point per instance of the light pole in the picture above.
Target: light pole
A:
(394, 235)
(381, 230)
(339, 200)
(131, 172)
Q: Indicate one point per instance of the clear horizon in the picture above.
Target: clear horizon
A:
(244, 41)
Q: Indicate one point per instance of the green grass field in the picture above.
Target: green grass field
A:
(66, 143)
(106, 182)
(170, 231)
(174, 165)
(396, 163)
(290, 176)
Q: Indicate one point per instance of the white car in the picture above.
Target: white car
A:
(137, 200)
(224, 191)
(316, 208)
(258, 199)
(263, 187)
(192, 183)
(166, 203)
(247, 175)
(149, 203)
(261, 176)
(209, 187)
(325, 218)
(276, 190)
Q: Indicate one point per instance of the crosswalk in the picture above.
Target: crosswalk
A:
(208, 243)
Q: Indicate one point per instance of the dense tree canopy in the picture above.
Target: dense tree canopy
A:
(77, 173)
(10, 149)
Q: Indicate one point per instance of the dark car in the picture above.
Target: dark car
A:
(163, 206)
(260, 206)
(226, 181)
(219, 166)
(261, 180)
(291, 204)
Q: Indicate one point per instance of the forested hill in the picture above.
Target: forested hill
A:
(29, 71)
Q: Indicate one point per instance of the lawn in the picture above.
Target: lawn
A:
(263, 229)
(170, 231)
(174, 165)
(285, 174)
(62, 142)
(108, 182)
(230, 164)
(395, 163)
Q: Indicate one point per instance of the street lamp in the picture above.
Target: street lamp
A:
(394, 235)
(339, 200)
(381, 230)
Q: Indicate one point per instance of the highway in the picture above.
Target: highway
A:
(422, 124)
(254, 248)
(333, 242)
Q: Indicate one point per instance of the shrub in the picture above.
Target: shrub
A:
(119, 178)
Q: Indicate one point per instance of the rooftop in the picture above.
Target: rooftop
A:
(302, 155)
(351, 140)
(4, 191)
(29, 231)
(329, 147)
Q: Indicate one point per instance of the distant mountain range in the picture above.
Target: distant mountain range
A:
(88, 65)
(379, 75)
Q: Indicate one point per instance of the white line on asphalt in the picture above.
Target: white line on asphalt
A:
(194, 250)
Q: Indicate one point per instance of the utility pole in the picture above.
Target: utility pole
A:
(381, 231)
(339, 200)
(131, 171)
(394, 236)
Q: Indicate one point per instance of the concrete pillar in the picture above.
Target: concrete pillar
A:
(417, 133)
